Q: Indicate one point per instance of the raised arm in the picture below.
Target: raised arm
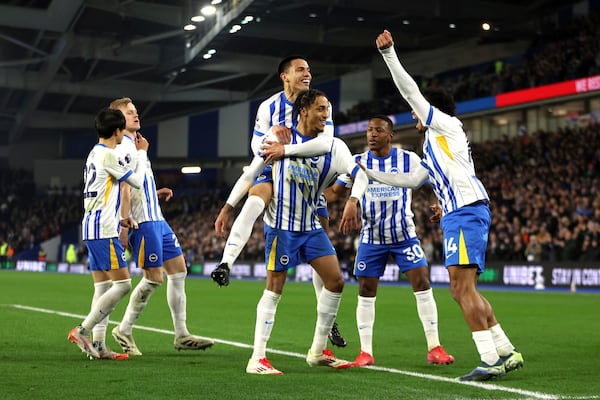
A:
(404, 82)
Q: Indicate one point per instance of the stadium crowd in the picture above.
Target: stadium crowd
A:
(544, 189)
(568, 51)
(27, 217)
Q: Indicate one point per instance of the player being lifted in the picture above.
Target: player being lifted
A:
(275, 113)
(293, 233)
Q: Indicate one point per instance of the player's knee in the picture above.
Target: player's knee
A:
(335, 285)
(421, 283)
(263, 190)
(122, 287)
(175, 266)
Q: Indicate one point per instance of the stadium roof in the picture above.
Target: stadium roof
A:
(62, 60)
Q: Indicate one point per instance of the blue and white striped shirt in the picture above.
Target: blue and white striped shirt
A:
(298, 184)
(386, 210)
(277, 110)
(104, 170)
(446, 150)
(144, 201)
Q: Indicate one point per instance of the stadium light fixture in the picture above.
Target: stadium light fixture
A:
(189, 27)
(486, 26)
(191, 170)
(198, 18)
(208, 10)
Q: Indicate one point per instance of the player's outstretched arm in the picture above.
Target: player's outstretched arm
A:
(404, 82)
(412, 180)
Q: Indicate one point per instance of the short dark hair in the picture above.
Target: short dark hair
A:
(107, 121)
(441, 99)
(306, 98)
(287, 62)
(384, 118)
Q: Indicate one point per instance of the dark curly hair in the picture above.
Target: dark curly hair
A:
(306, 98)
(441, 99)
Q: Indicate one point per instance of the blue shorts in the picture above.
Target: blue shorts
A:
(265, 176)
(286, 249)
(153, 243)
(106, 254)
(466, 235)
(371, 259)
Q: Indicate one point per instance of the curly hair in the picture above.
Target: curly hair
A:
(441, 99)
(306, 98)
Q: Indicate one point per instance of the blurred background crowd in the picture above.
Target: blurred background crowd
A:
(544, 186)
(544, 189)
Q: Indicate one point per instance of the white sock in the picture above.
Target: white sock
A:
(177, 302)
(327, 308)
(137, 302)
(106, 304)
(365, 320)
(317, 283)
(99, 331)
(427, 310)
(265, 319)
(485, 345)
(503, 345)
(242, 229)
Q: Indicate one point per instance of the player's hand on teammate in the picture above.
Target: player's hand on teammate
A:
(221, 275)
(282, 133)
(222, 221)
(129, 222)
(350, 220)
(124, 237)
(384, 40)
(436, 215)
(272, 151)
(164, 194)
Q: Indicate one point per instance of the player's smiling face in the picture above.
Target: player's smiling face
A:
(132, 120)
(317, 114)
(298, 75)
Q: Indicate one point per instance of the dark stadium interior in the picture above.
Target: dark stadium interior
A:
(61, 59)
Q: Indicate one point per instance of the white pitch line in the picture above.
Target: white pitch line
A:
(486, 386)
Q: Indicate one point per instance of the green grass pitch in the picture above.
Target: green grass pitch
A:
(557, 332)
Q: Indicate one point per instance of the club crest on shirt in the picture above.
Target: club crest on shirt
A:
(361, 266)
(284, 259)
(153, 257)
(394, 170)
